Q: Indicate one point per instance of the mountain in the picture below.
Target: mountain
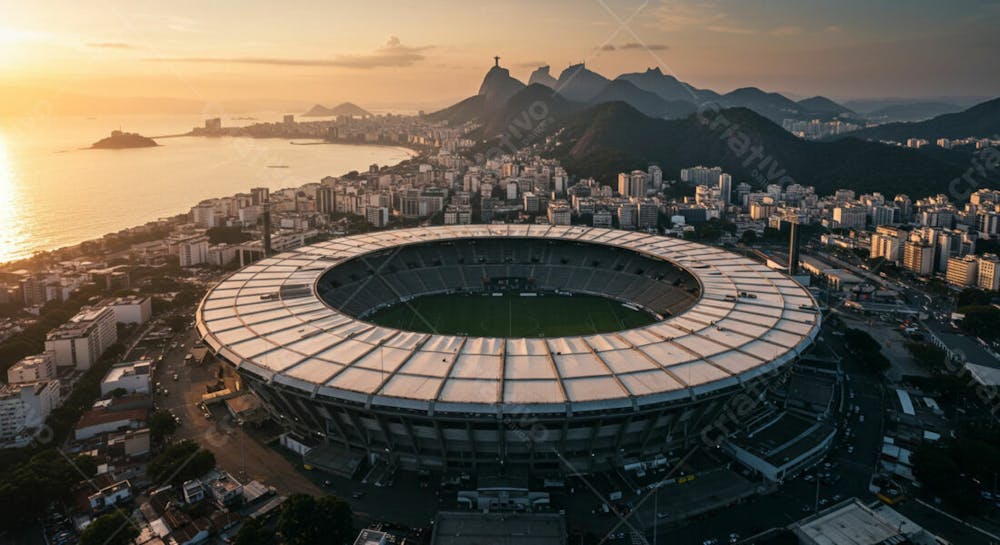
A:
(603, 140)
(348, 109)
(981, 120)
(646, 102)
(579, 84)
(467, 110)
(668, 87)
(542, 76)
(914, 111)
(824, 107)
(529, 113)
(773, 106)
(498, 86)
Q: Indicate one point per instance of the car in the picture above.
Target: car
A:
(176, 376)
(809, 478)
(734, 537)
(358, 495)
(850, 449)
(662, 515)
(328, 483)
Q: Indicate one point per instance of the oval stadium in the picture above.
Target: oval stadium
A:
(540, 347)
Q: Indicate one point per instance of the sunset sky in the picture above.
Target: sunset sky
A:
(426, 54)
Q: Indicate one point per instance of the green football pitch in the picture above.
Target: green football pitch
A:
(510, 315)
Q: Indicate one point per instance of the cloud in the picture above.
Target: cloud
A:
(391, 55)
(786, 31)
(729, 29)
(111, 45)
(675, 15)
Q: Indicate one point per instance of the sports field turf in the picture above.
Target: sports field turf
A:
(511, 315)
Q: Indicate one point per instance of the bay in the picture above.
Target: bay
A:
(56, 193)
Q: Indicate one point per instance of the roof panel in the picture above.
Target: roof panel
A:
(309, 343)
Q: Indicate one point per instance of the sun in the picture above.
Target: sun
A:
(14, 42)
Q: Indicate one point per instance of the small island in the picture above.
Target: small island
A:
(123, 140)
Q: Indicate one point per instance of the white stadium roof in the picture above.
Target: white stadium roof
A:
(268, 320)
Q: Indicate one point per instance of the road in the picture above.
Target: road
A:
(234, 448)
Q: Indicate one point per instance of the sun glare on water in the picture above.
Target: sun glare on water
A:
(7, 207)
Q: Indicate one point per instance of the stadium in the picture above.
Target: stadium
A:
(545, 348)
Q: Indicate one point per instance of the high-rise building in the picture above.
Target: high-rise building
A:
(987, 222)
(191, 249)
(649, 214)
(918, 257)
(632, 184)
(559, 213)
(83, 339)
(725, 188)
(850, 217)
(378, 216)
(531, 203)
(324, 200)
(963, 271)
(628, 215)
(793, 249)
(886, 242)
(884, 215)
(989, 272)
(701, 175)
(39, 367)
(23, 410)
(602, 218)
(259, 195)
(761, 210)
(655, 176)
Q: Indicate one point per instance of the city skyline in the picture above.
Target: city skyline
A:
(426, 56)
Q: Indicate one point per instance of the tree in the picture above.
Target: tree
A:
(983, 321)
(254, 532)
(748, 237)
(180, 462)
(866, 349)
(927, 354)
(227, 235)
(111, 529)
(305, 520)
(178, 322)
(161, 425)
(973, 296)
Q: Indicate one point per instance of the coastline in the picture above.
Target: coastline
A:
(77, 248)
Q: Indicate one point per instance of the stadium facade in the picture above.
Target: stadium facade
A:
(293, 325)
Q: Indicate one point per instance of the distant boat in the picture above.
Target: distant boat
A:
(277, 166)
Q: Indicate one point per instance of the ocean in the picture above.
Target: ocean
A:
(54, 192)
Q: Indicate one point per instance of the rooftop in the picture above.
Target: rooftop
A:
(118, 371)
(853, 523)
(471, 528)
(268, 318)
